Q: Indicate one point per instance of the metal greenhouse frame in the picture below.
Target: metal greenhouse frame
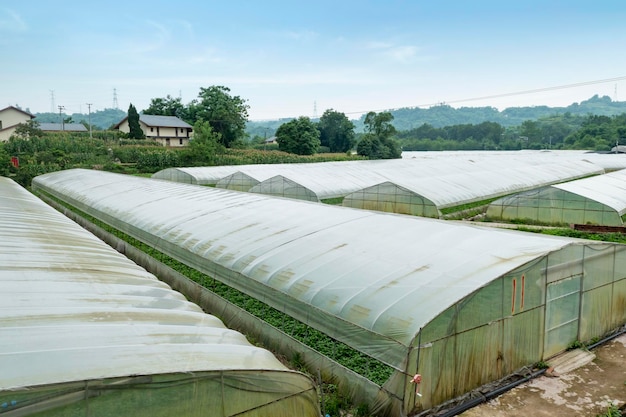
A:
(458, 305)
(84, 331)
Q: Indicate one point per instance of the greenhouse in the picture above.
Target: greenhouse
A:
(597, 200)
(607, 161)
(459, 305)
(196, 175)
(86, 332)
(238, 181)
(427, 195)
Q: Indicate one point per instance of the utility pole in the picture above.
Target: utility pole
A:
(61, 108)
(89, 107)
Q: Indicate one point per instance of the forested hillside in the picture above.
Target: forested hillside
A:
(100, 119)
(444, 115)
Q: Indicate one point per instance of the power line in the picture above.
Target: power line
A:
(516, 93)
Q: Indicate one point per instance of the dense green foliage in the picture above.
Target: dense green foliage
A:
(227, 114)
(377, 142)
(133, 124)
(47, 152)
(336, 131)
(168, 106)
(299, 136)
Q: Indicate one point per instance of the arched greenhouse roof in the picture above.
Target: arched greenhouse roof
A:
(72, 310)
(481, 182)
(371, 280)
(195, 175)
(597, 200)
(608, 189)
(607, 161)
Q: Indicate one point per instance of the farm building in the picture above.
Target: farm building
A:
(599, 200)
(84, 331)
(428, 195)
(460, 305)
(166, 130)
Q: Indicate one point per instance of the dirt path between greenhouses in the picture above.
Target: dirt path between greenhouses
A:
(586, 391)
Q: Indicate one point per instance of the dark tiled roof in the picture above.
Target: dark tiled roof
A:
(163, 121)
(56, 127)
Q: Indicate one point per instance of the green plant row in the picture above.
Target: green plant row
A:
(467, 206)
(341, 353)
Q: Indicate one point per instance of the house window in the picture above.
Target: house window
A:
(151, 129)
(180, 141)
(181, 130)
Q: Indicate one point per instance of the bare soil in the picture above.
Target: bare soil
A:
(586, 391)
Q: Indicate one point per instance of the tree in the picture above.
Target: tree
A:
(299, 136)
(226, 114)
(204, 144)
(168, 106)
(28, 130)
(336, 131)
(377, 142)
(133, 124)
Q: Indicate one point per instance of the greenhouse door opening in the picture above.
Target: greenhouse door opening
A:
(562, 315)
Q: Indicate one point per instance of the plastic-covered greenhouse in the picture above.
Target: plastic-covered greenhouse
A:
(86, 332)
(428, 195)
(608, 161)
(196, 175)
(460, 305)
(597, 200)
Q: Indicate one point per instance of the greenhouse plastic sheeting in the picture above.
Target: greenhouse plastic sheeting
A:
(460, 305)
(368, 279)
(597, 200)
(452, 179)
(416, 194)
(85, 331)
(608, 161)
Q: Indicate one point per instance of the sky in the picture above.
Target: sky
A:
(295, 58)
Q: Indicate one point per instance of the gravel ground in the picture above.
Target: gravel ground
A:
(586, 391)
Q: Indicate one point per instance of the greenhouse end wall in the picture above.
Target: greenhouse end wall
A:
(392, 198)
(551, 205)
(519, 319)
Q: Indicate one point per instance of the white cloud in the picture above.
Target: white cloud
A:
(11, 21)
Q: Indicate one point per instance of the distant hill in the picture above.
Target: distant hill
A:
(100, 119)
(444, 115)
